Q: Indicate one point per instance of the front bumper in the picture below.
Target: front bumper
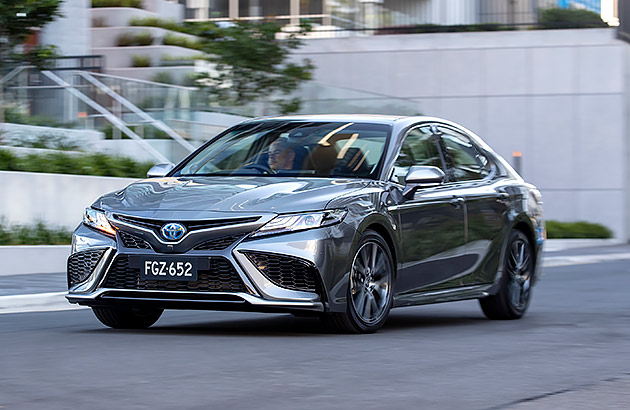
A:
(325, 249)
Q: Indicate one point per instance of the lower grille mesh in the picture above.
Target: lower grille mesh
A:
(221, 277)
(284, 271)
(217, 244)
(81, 265)
(133, 241)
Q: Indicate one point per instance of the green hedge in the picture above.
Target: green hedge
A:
(157, 22)
(38, 234)
(552, 18)
(135, 39)
(181, 41)
(117, 3)
(82, 164)
(574, 230)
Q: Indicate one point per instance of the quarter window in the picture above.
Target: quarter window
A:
(419, 148)
(464, 161)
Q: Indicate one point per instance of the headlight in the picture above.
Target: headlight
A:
(300, 222)
(97, 220)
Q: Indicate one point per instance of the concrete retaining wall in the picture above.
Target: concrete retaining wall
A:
(58, 200)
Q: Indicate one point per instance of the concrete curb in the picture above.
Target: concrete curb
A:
(39, 302)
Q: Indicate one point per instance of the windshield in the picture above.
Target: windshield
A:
(293, 148)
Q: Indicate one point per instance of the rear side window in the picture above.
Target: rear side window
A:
(464, 161)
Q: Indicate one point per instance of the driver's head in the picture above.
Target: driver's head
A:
(281, 154)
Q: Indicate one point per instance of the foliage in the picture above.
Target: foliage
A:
(157, 22)
(252, 61)
(436, 28)
(170, 61)
(47, 141)
(569, 18)
(140, 61)
(117, 3)
(164, 77)
(181, 41)
(39, 234)
(556, 229)
(16, 117)
(80, 164)
(135, 39)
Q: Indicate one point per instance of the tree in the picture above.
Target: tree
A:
(252, 61)
(19, 19)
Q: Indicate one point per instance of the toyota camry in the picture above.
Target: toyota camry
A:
(340, 216)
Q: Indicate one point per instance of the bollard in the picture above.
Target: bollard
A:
(516, 161)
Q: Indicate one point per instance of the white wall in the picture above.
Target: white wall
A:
(71, 33)
(558, 96)
(52, 198)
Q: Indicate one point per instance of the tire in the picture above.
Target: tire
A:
(515, 291)
(370, 288)
(127, 318)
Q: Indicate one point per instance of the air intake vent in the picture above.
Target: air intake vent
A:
(221, 277)
(81, 265)
(217, 244)
(285, 271)
(133, 241)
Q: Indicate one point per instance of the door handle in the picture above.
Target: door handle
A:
(457, 202)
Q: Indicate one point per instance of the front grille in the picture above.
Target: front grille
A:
(285, 271)
(217, 244)
(156, 224)
(133, 241)
(81, 265)
(221, 277)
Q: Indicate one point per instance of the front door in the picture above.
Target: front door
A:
(431, 224)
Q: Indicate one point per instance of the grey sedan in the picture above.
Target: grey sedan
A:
(340, 216)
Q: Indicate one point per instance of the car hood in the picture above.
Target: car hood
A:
(193, 197)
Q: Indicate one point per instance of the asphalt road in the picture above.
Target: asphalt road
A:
(571, 351)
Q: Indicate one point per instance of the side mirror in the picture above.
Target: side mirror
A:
(421, 176)
(160, 170)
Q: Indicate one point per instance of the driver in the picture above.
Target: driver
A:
(281, 154)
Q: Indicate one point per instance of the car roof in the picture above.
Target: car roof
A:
(360, 118)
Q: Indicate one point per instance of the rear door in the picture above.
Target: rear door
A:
(431, 224)
(472, 174)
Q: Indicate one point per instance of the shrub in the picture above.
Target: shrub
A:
(39, 234)
(170, 61)
(181, 41)
(117, 3)
(157, 22)
(86, 164)
(135, 39)
(569, 18)
(163, 77)
(574, 230)
(140, 61)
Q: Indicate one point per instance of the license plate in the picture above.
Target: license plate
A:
(175, 269)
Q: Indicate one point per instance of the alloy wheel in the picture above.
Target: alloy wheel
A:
(520, 274)
(370, 282)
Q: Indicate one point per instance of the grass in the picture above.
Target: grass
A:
(576, 230)
(38, 234)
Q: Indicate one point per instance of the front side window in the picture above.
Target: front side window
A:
(465, 162)
(419, 148)
(293, 148)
